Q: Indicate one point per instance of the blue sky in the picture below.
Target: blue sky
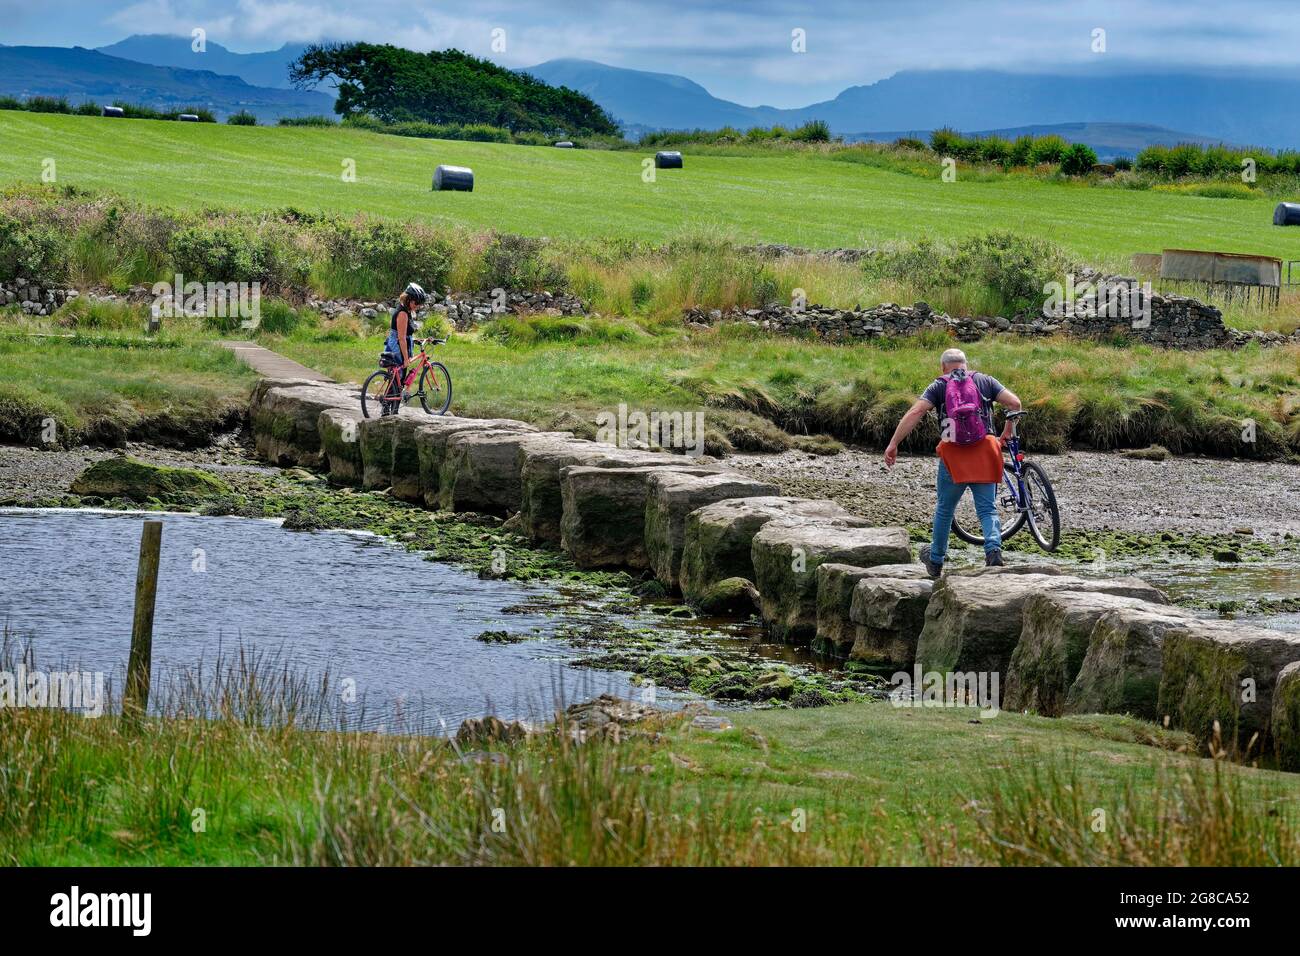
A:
(739, 50)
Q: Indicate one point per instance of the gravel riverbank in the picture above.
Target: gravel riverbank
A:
(1096, 491)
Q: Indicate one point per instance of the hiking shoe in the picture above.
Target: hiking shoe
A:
(933, 568)
(993, 559)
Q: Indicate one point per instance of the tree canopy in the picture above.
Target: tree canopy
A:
(445, 86)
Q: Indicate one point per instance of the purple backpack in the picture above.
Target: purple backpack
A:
(962, 405)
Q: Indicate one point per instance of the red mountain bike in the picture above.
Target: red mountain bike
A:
(388, 388)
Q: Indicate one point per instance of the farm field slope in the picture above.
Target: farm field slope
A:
(799, 199)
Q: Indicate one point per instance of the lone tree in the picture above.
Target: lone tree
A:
(445, 86)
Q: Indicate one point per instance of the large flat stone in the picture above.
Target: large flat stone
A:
(717, 539)
(973, 621)
(603, 520)
(541, 502)
(480, 470)
(836, 584)
(431, 445)
(674, 495)
(1120, 673)
(1286, 718)
(887, 612)
(1054, 637)
(340, 439)
(786, 554)
(285, 420)
(1224, 672)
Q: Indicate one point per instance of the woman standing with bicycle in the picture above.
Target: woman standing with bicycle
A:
(401, 328)
(969, 454)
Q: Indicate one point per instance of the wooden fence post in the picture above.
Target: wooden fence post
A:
(136, 700)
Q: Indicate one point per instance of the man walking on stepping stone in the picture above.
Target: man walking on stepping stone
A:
(970, 456)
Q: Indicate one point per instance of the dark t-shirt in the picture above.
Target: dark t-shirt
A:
(989, 388)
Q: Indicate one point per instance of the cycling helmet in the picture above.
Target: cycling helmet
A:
(416, 293)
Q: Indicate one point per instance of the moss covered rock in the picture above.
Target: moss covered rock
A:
(717, 538)
(480, 470)
(1054, 639)
(786, 554)
(140, 481)
(674, 495)
(1223, 672)
(973, 621)
(1286, 717)
(730, 597)
(603, 519)
(887, 611)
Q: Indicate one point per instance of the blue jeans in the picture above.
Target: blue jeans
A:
(949, 494)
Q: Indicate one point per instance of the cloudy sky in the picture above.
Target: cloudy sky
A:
(739, 49)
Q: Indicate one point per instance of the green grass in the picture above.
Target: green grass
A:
(275, 779)
(804, 198)
(108, 385)
(1077, 392)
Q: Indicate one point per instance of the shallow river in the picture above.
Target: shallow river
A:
(402, 628)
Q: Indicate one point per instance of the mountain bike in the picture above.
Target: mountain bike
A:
(387, 388)
(1025, 498)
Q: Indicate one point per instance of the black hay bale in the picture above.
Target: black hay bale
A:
(113, 111)
(1287, 214)
(188, 118)
(668, 159)
(454, 177)
(564, 144)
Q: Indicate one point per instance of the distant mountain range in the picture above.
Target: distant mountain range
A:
(1250, 109)
(270, 68)
(1115, 113)
(80, 74)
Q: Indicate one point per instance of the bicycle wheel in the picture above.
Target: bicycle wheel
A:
(1010, 517)
(376, 400)
(435, 389)
(1043, 514)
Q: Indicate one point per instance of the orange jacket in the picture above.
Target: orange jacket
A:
(980, 463)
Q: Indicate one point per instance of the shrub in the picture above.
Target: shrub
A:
(376, 259)
(1047, 149)
(88, 108)
(306, 121)
(520, 262)
(814, 131)
(223, 251)
(1123, 164)
(1077, 159)
(242, 118)
(11, 103)
(48, 104)
(32, 250)
(1013, 268)
(909, 142)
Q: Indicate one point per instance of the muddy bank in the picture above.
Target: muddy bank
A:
(1096, 491)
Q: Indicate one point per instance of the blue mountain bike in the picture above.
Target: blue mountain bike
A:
(1025, 498)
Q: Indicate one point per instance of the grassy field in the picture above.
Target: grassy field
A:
(276, 780)
(800, 199)
(109, 387)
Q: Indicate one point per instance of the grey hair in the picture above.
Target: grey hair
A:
(953, 357)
